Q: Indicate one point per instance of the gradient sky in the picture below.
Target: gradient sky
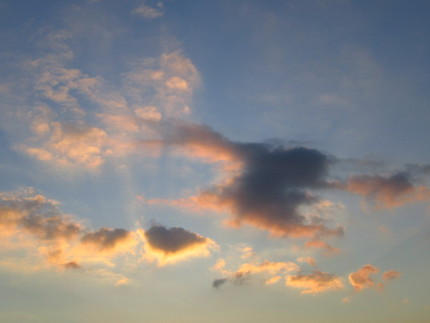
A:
(214, 161)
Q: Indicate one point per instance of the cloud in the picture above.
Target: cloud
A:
(36, 215)
(219, 282)
(270, 270)
(388, 191)
(148, 12)
(170, 245)
(72, 265)
(315, 283)
(68, 144)
(318, 244)
(273, 280)
(108, 239)
(361, 279)
(268, 186)
(390, 275)
(35, 226)
(309, 260)
(165, 84)
(269, 267)
(104, 121)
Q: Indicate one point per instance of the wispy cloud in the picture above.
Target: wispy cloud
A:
(149, 12)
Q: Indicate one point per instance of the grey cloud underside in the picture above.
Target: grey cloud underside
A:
(172, 240)
(105, 238)
(39, 217)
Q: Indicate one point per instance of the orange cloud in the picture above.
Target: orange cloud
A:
(70, 145)
(273, 280)
(309, 260)
(361, 279)
(390, 275)
(35, 226)
(269, 267)
(264, 268)
(318, 244)
(388, 191)
(315, 283)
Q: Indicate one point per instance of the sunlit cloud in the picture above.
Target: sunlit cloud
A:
(271, 271)
(365, 278)
(388, 191)
(34, 225)
(318, 244)
(315, 283)
(309, 260)
(361, 279)
(70, 145)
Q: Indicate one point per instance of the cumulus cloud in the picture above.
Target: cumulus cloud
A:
(268, 186)
(364, 278)
(169, 245)
(36, 215)
(315, 283)
(361, 279)
(388, 191)
(108, 239)
(33, 223)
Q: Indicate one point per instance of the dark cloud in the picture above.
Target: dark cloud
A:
(272, 184)
(219, 282)
(105, 238)
(173, 240)
(72, 265)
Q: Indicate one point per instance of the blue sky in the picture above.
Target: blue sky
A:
(214, 161)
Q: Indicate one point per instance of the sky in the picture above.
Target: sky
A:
(214, 161)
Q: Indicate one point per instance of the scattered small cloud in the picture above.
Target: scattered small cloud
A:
(315, 283)
(318, 244)
(388, 191)
(390, 275)
(362, 278)
(148, 12)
